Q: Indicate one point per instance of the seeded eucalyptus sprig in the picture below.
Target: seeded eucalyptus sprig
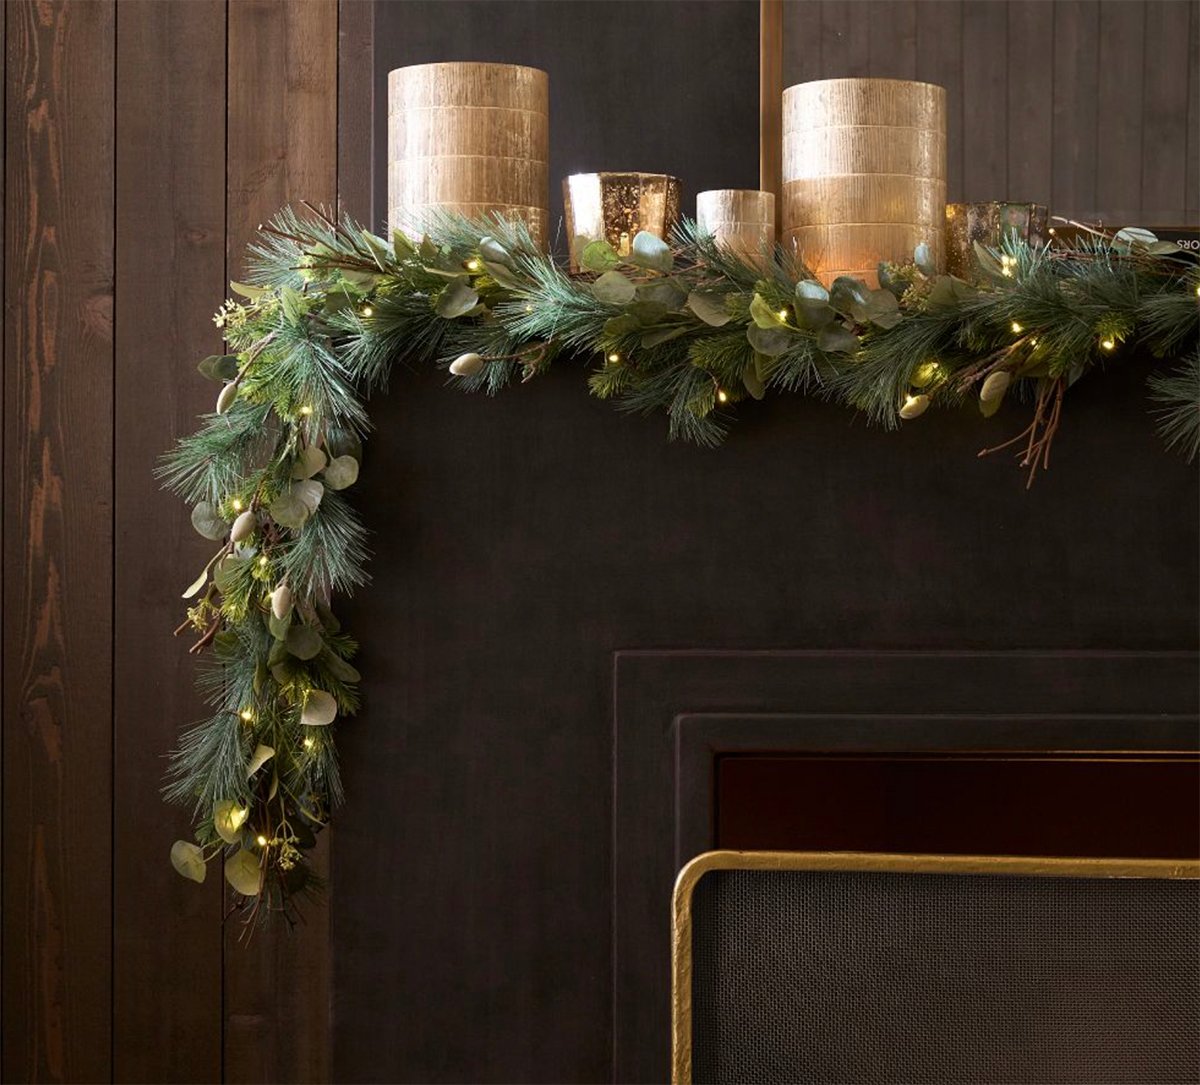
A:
(682, 325)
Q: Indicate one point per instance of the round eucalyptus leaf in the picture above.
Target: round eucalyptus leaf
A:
(762, 314)
(663, 292)
(491, 249)
(188, 860)
(328, 620)
(753, 382)
(656, 336)
(308, 463)
(320, 709)
(279, 627)
(227, 395)
(848, 295)
(768, 341)
(598, 256)
(1129, 237)
(342, 472)
(262, 754)
(206, 521)
(227, 572)
(811, 290)
(835, 339)
(613, 288)
(624, 324)
(923, 258)
(339, 668)
(287, 510)
(310, 492)
(456, 300)
(228, 819)
(254, 293)
(244, 873)
(651, 252)
(304, 642)
(501, 274)
(219, 367)
(710, 307)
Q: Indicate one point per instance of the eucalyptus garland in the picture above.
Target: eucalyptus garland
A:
(683, 326)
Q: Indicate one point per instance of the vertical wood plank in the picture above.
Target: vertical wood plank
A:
(282, 148)
(985, 92)
(170, 271)
(57, 606)
(355, 109)
(1192, 192)
(770, 101)
(802, 42)
(1119, 104)
(940, 60)
(1030, 100)
(892, 37)
(1165, 113)
(845, 40)
(1073, 152)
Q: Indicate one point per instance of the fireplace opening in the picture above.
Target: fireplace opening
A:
(1033, 803)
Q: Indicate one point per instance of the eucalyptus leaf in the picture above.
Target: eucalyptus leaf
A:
(923, 258)
(848, 296)
(402, 246)
(207, 522)
(287, 510)
(219, 367)
(502, 275)
(651, 252)
(656, 336)
(625, 324)
(989, 262)
(1163, 248)
(647, 313)
(328, 619)
(308, 463)
(613, 288)
(226, 573)
(310, 492)
(599, 256)
(753, 382)
(228, 819)
(1129, 238)
(768, 341)
(710, 307)
(278, 627)
(365, 280)
(837, 339)
(304, 642)
(196, 585)
(341, 472)
(320, 709)
(762, 314)
(188, 860)
(378, 248)
(663, 291)
(254, 293)
(262, 754)
(883, 309)
(491, 250)
(456, 300)
(339, 668)
(244, 873)
(811, 290)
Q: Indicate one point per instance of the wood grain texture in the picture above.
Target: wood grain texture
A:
(1165, 113)
(282, 148)
(1119, 97)
(1074, 157)
(770, 96)
(845, 40)
(58, 490)
(892, 37)
(170, 273)
(355, 108)
(985, 94)
(940, 60)
(1192, 138)
(1030, 96)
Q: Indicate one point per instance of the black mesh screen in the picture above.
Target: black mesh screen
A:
(844, 977)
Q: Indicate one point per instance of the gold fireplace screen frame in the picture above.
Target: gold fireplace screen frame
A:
(861, 862)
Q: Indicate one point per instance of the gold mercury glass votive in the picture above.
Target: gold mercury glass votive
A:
(991, 224)
(471, 138)
(864, 173)
(614, 207)
(740, 219)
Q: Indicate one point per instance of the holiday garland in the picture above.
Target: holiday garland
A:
(687, 327)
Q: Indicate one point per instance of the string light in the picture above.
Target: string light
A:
(1017, 329)
(529, 308)
(262, 561)
(1108, 343)
(782, 314)
(1052, 231)
(722, 396)
(1006, 264)
(306, 410)
(262, 841)
(613, 358)
(473, 264)
(237, 504)
(247, 715)
(367, 311)
(308, 743)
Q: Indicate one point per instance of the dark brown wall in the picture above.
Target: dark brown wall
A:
(144, 141)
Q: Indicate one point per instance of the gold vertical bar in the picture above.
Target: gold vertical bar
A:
(770, 100)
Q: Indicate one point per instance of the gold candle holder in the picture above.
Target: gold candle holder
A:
(614, 207)
(864, 173)
(472, 138)
(740, 219)
(990, 224)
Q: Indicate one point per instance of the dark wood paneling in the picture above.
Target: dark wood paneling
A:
(892, 33)
(1120, 116)
(985, 101)
(1073, 154)
(282, 148)
(58, 492)
(170, 229)
(356, 109)
(940, 60)
(1192, 139)
(1030, 115)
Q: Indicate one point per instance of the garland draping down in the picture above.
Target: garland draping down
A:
(687, 327)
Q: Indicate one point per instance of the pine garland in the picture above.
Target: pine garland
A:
(685, 327)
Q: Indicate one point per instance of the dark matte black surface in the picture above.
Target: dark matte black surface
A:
(519, 542)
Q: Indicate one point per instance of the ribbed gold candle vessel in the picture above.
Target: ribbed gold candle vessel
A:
(614, 207)
(741, 219)
(864, 173)
(472, 138)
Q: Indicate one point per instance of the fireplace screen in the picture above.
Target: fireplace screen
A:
(925, 969)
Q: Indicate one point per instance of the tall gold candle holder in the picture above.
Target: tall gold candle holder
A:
(472, 138)
(740, 219)
(864, 173)
(614, 207)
